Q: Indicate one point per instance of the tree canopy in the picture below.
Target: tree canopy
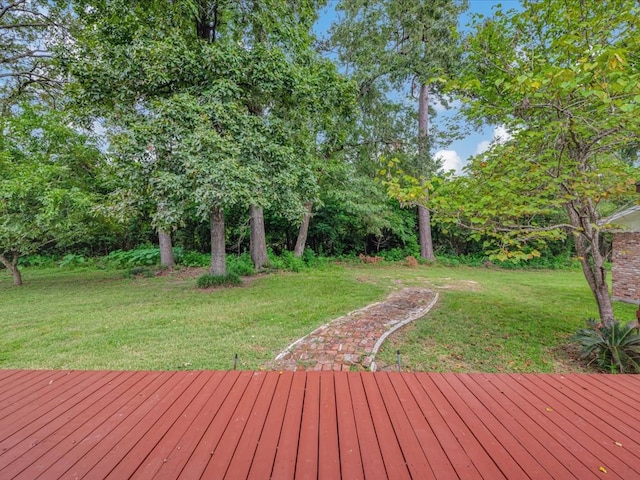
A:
(562, 77)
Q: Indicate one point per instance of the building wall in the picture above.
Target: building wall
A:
(626, 267)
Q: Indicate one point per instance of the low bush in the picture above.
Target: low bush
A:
(614, 349)
(140, 257)
(73, 260)
(37, 261)
(208, 280)
(240, 265)
(286, 261)
(195, 259)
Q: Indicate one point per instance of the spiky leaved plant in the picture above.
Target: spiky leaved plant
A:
(614, 348)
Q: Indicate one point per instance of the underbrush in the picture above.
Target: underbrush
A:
(208, 280)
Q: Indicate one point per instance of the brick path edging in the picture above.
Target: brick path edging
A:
(384, 336)
(354, 339)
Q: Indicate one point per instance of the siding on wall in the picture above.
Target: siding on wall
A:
(626, 267)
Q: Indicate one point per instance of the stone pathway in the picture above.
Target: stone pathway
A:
(353, 340)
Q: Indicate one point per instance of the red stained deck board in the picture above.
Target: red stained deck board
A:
(209, 441)
(238, 441)
(91, 448)
(155, 425)
(350, 455)
(170, 440)
(471, 413)
(415, 458)
(184, 449)
(525, 448)
(394, 460)
(307, 461)
(49, 398)
(586, 436)
(287, 452)
(547, 425)
(513, 460)
(424, 430)
(120, 461)
(618, 429)
(607, 430)
(329, 448)
(437, 420)
(267, 444)
(56, 429)
(474, 449)
(369, 443)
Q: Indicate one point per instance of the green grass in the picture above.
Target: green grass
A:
(486, 320)
(499, 321)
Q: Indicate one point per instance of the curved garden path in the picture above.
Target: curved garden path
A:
(353, 340)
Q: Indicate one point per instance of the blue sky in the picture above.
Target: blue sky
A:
(456, 154)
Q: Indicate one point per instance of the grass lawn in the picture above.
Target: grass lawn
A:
(486, 320)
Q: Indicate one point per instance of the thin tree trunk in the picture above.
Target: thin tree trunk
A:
(424, 216)
(257, 237)
(218, 254)
(12, 266)
(166, 249)
(587, 242)
(301, 242)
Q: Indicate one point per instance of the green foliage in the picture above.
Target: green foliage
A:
(26, 31)
(561, 78)
(614, 348)
(139, 257)
(196, 259)
(286, 261)
(38, 260)
(49, 182)
(398, 254)
(73, 260)
(208, 280)
(240, 265)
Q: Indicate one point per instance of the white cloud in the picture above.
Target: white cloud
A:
(482, 147)
(450, 160)
(500, 135)
(439, 106)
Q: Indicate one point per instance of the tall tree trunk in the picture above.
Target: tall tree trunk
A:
(218, 254)
(12, 266)
(257, 237)
(301, 242)
(424, 216)
(166, 249)
(587, 241)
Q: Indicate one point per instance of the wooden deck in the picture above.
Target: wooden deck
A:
(327, 425)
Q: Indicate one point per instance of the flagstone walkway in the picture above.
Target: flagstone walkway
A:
(352, 341)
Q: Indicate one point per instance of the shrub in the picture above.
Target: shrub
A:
(73, 260)
(241, 265)
(36, 261)
(140, 257)
(195, 259)
(614, 349)
(209, 280)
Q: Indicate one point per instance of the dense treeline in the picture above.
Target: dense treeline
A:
(228, 127)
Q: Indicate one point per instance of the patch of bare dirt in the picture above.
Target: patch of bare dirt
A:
(463, 285)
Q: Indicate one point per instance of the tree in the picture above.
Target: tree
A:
(48, 191)
(27, 28)
(394, 46)
(235, 108)
(562, 77)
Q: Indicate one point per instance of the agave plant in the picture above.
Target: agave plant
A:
(614, 348)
